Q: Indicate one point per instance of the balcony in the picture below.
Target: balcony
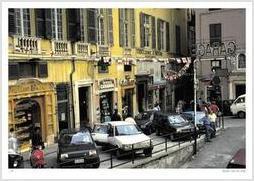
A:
(61, 47)
(82, 49)
(27, 45)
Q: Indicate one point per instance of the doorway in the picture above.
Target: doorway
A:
(84, 106)
(128, 103)
(240, 89)
(141, 97)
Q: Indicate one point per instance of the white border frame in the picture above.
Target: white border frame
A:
(127, 173)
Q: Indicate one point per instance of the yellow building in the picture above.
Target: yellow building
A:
(70, 68)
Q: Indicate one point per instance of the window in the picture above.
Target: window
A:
(163, 72)
(110, 27)
(101, 19)
(126, 27)
(19, 22)
(40, 23)
(215, 34)
(127, 68)
(241, 61)
(56, 24)
(163, 35)
(27, 69)
(215, 64)
(147, 30)
(73, 24)
(178, 40)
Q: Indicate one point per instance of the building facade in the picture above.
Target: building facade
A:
(220, 46)
(70, 68)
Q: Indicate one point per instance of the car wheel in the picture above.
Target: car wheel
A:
(241, 114)
(148, 152)
(96, 165)
(119, 153)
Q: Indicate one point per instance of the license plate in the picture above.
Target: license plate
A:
(79, 161)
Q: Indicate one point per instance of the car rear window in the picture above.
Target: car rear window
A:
(76, 138)
(101, 129)
(176, 119)
(131, 129)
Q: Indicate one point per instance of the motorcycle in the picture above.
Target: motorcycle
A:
(37, 158)
(15, 159)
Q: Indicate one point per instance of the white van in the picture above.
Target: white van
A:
(238, 107)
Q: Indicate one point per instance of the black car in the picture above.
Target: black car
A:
(76, 148)
(144, 121)
(189, 115)
(172, 125)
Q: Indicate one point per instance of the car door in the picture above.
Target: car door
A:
(111, 135)
(100, 133)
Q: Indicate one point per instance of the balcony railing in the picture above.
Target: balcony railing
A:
(27, 45)
(82, 49)
(61, 47)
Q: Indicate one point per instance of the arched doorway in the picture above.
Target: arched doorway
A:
(28, 116)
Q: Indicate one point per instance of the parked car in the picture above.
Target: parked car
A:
(189, 115)
(172, 125)
(122, 135)
(238, 160)
(238, 107)
(144, 121)
(77, 148)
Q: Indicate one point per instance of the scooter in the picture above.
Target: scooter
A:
(37, 158)
(15, 159)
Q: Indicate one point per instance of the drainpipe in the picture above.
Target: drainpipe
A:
(72, 96)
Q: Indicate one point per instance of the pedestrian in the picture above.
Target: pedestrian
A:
(36, 138)
(212, 116)
(208, 128)
(12, 142)
(179, 107)
(214, 108)
(116, 116)
(156, 107)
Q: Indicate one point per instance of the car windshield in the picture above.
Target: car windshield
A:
(143, 116)
(77, 138)
(176, 119)
(103, 129)
(131, 129)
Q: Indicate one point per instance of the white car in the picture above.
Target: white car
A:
(238, 107)
(123, 135)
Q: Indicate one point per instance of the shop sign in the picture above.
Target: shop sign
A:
(29, 88)
(106, 84)
(144, 52)
(127, 51)
(127, 81)
(216, 49)
(157, 53)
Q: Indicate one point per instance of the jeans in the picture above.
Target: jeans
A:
(208, 131)
(214, 129)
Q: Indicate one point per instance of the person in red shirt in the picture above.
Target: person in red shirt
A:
(214, 108)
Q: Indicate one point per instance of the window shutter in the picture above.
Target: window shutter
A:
(92, 28)
(153, 33)
(11, 21)
(42, 69)
(133, 39)
(48, 23)
(121, 27)
(72, 25)
(110, 28)
(40, 23)
(142, 30)
(13, 71)
(159, 34)
(167, 37)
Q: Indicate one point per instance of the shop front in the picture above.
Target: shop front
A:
(127, 94)
(106, 96)
(32, 104)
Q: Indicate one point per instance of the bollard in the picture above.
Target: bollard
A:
(132, 149)
(111, 160)
(166, 144)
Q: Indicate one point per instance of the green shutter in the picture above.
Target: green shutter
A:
(142, 30)
(121, 27)
(167, 37)
(158, 34)
(133, 39)
(153, 33)
(48, 23)
(110, 28)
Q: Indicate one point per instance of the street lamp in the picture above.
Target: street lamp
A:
(195, 105)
